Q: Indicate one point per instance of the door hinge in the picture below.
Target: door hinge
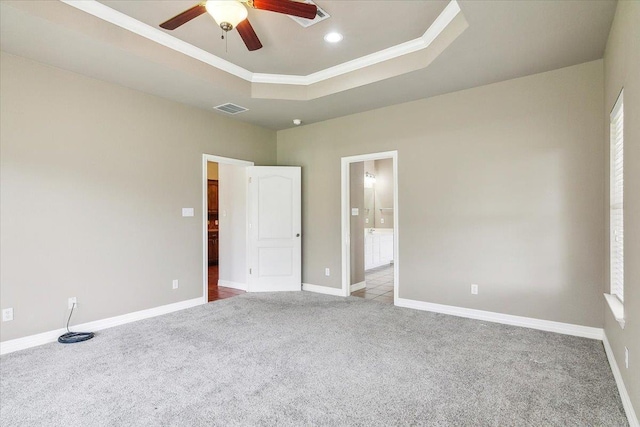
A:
(249, 271)
(249, 180)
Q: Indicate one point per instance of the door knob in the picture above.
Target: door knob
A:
(298, 235)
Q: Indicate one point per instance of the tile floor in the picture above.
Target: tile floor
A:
(379, 285)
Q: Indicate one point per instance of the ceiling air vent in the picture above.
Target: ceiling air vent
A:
(320, 16)
(230, 108)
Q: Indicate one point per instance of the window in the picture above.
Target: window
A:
(616, 217)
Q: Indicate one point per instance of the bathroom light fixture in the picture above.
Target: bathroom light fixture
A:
(369, 179)
(333, 37)
(227, 14)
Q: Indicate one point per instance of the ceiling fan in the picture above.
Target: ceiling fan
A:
(230, 14)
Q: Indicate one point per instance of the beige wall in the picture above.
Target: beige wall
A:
(370, 197)
(384, 193)
(356, 193)
(232, 195)
(499, 185)
(622, 70)
(93, 179)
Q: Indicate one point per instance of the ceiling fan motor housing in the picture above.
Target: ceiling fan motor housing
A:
(227, 14)
(230, 14)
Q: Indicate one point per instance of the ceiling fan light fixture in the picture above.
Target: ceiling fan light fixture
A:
(333, 37)
(227, 13)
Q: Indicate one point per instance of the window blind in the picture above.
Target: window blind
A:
(616, 217)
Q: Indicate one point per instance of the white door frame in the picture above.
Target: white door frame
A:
(346, 223)
(205, 233)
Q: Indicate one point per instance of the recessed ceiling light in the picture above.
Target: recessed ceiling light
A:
(333, 37)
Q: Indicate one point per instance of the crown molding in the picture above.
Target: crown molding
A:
(442, 21)
(99, 10)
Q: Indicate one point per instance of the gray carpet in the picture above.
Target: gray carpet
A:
(308, 359)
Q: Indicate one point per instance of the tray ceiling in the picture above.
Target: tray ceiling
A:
(503, 40)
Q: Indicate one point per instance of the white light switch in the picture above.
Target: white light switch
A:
(355, 212)
(187, 211)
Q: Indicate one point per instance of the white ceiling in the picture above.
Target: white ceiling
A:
(289, 48)
(504, 40)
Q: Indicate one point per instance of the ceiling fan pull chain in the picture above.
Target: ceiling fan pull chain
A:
(226, 41)
(233, 14)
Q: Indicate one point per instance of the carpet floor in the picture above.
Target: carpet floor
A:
(299, 358)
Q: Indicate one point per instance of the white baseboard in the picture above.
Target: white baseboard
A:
(234, 285)
(322, 289)
(507, 319)
(51, 336)
(358, 286)
(624, 396)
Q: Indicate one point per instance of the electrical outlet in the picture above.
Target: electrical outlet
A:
(381, 220)
(175, 284)
(327, 272)
(474, 289)
(626, 357)
(7, 314)
(73, 301)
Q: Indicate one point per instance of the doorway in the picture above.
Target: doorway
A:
(370, 227)
(215, 290)
(267, 256)
(224, 227)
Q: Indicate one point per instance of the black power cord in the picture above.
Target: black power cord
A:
(74, 337)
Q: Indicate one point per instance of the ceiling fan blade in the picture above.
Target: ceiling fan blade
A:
(248, 35)
(288, 7)
(184, 17)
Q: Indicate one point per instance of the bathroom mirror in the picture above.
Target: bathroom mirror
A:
(369, 207)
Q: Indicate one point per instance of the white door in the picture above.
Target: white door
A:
(274, 229)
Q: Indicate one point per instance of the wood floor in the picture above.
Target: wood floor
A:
(219, 292)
